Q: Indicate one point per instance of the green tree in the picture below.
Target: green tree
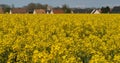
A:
(5, 7)
(66, 8)
(105, 9)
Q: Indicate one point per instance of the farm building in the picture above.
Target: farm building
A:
(18, 11)
(39, 11)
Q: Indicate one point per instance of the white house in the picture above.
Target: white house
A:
(95, 11)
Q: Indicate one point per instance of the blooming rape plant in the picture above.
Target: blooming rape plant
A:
(64, 38)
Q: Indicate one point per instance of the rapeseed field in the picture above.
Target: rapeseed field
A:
(60, 38)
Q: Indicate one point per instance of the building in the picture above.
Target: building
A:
(39, 11)
(116, 9)
(1, 11)
(49, 10)
(18, 11)
(58, 11)
(95, 11)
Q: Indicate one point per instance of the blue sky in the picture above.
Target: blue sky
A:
(71, 3)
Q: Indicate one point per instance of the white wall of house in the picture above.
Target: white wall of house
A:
(10, 12)
(96, 12)
(34, 12)
(52, 12)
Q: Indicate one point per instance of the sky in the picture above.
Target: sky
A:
(70, 3)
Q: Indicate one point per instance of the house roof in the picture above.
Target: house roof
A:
(1, 11)
(58, 11)
(18, 11)
(39, 11)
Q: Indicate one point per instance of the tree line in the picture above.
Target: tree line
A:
(32, 6)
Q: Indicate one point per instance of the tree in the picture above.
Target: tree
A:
(32, 6)
(5, 7)
(105, 9)
(108, 9)
(66, 8)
